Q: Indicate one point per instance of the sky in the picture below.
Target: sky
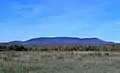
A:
(26, 19)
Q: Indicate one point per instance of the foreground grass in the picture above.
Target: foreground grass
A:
(59, 62)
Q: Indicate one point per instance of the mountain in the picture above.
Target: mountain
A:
(62, 41)
(16, 42)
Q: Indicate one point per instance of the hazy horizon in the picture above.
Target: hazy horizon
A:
(26, 19)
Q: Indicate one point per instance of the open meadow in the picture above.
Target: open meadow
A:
(59, 62)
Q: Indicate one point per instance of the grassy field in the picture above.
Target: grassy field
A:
(59, 62)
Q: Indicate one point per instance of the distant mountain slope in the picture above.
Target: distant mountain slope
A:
(62, 41)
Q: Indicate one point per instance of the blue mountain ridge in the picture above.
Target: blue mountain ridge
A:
(62, 41)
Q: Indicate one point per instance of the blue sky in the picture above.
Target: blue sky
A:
(25, 19)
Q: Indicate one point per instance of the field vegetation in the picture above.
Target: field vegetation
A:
(59, 59)
(4, 47)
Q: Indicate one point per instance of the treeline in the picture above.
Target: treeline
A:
(60, 48)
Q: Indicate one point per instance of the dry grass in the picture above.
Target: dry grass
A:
(59, 62)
